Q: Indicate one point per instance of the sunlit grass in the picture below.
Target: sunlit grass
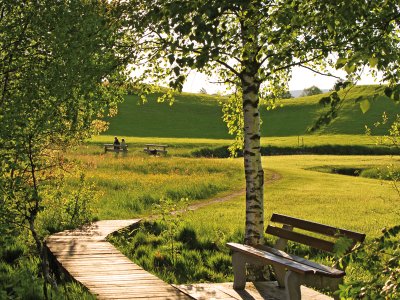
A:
(200, 116)
(131, 185)
(185, 146)
(360, 204)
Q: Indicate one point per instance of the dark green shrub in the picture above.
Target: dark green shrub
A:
(223, 152)
(10, 253)
(188, 237)
(380, 259)
(220, 263)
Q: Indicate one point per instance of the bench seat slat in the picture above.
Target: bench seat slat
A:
(317, 227)
(281, 261)
(336, 272)
(301, 238)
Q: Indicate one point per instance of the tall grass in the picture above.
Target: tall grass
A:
(131, 185)
(17, 266)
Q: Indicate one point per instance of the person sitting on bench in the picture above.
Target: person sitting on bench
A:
(123, 145)
(116, 143)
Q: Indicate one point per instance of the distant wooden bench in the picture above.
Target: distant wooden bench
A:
(292, 271)
(115, 148)
(155, 149)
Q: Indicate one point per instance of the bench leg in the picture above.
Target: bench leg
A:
(280, 275)
(293, 282)
(320, 282)
(333, 285)
(239, 271)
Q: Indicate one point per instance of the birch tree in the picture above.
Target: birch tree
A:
(252, 46)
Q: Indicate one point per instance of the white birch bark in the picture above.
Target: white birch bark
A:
(252, 161)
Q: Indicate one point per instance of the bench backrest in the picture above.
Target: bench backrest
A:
(156, 145)
(115, 147)
(289, 223)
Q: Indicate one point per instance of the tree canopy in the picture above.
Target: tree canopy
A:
(312, 90)
(58, 66)
(252, 46)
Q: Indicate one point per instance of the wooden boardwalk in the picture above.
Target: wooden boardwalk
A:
(87, 257)
(268, 290)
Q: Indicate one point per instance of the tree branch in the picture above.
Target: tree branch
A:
(318, 72)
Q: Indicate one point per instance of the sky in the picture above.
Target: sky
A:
(301, 78)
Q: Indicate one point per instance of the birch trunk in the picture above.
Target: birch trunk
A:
(254, 173)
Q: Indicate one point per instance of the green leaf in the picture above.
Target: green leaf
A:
(350, 68)
(171, 58)
(365, 105)
(342, 245)
(341, 62)
(395, 96)
(373, 61)
(325, 101)
(388, 92)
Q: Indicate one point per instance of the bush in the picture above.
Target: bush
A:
(313, 90)
(220, 263)
(223, 152)
(380, 259)
(66, 209)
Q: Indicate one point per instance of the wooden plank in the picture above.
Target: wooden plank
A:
(336, 272)
(116, 278)
(317, 227)
(104, 270)
(253, 291)
(301, 238)
(272, 259)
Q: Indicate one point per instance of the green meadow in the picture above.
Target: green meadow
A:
(198, 253)
(190, 246)
(130, 186)
(200, 116)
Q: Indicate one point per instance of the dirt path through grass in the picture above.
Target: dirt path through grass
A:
(269, 180)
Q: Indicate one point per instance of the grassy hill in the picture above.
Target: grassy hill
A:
(200, 116)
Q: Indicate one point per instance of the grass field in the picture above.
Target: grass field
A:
(191, 247)
(130, 185)
(200, 116)
(198, 252)
(360, 204)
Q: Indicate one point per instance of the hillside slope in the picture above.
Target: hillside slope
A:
(200, 116)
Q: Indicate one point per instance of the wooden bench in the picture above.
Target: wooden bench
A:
(293, 271)
(155, 149)
(115, 148)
